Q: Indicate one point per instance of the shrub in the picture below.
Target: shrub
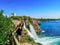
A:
(6, 26)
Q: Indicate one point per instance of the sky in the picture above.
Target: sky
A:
(32, 8)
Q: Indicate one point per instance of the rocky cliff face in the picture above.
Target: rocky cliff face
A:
(25, 36)
(35, 23)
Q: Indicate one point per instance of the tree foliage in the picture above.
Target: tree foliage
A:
(6, 26)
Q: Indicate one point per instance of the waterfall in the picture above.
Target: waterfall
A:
(29, 33)
(42, 40)
(33, 31)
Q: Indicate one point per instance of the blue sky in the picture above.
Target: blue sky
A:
(32, 8)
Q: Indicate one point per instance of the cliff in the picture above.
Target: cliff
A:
(35, 22)
(26, 39)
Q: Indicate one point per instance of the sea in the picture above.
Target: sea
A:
(51, 34)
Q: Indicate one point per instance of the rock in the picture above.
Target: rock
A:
(36, 25)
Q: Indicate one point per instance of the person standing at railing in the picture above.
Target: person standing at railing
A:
(19, 30)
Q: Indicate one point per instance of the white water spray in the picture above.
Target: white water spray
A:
(33, 32)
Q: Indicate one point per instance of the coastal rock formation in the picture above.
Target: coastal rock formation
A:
(26, 39)
(35, 22)
(36, 25)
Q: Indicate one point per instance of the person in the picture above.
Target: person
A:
(18, 31)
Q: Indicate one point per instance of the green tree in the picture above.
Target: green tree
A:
(6, 26)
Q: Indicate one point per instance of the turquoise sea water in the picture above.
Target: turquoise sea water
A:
(52, 32)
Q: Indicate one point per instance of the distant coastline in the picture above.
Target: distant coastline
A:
(48, 19)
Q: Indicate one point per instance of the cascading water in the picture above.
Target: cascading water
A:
(33, 31)
(42, 40)
(29, 33)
